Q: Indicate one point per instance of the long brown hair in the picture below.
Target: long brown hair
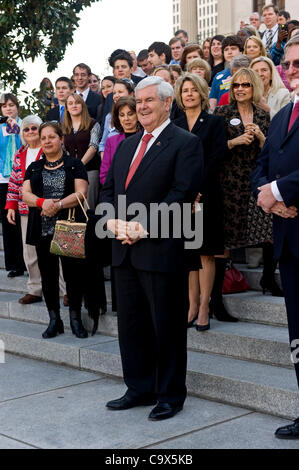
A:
(67, 124)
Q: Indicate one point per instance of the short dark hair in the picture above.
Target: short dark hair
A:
(83, 66)
(161, 48)
(143, 55)
(114, 54)
(181, 31)
(284, 13)
(122, 56)
(9, 96)
(293, 22)
(174, 40)
(123, 101)
(65, 79)
(55, 126)
(270, 5)
(232, 41)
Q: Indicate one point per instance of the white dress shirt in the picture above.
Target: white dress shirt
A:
(274, 187)
(275, 35)
(156, 132)
(84, 93)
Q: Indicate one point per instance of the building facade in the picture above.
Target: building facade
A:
(205, 18)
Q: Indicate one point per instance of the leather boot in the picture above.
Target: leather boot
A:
(77, 325)
(267, 281)
(217, 308)
(55, 326)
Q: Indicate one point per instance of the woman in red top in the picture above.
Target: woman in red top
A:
(28, 153)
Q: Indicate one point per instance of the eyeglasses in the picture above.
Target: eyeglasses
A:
(286, 65)
(32, 128)
(242, 85)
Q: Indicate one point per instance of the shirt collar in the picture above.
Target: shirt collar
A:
(275, 27)
(156, 132)
(296, 99)
(84, 93)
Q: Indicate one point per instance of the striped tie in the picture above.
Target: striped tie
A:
(145, 140)
(269, 40)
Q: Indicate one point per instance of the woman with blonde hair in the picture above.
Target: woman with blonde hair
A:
(81, 139)
(275, 96)
(254, 47)
(165, 73)
(192, 96)
(200, 67)
(244, 224)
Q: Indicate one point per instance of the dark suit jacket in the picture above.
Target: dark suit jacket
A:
(93, 102)
(53, 114)
(171, 171)
(279, 161)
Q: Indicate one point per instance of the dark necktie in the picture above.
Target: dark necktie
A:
(294, 116)
(269, 40)
(61, 113)
(145, 140)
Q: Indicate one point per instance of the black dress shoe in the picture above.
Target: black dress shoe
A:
(126, 402)
(164, 411)
(15, 273)
(202, 327)
(290, 431)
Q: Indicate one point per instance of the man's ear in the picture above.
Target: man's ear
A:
(163, 57)
(168, 103)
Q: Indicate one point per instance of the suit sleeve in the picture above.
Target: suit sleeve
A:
(288, 187)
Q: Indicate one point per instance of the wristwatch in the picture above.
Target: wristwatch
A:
(60, 205)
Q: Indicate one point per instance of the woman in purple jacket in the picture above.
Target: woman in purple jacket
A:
(124, 119)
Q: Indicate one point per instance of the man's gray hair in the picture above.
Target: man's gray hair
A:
(31, 119)
(294, 41)
(165, 90)
(255, 13)
(241, 61)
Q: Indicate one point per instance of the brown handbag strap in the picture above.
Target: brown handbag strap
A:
(81, 205)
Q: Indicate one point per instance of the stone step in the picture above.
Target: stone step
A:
(1, 243)
(2, 263)
(253, 276)
(255, 307)
(265, 388)
(252, 342)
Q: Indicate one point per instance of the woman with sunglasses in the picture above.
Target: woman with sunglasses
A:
(247, 127)
(28, 153)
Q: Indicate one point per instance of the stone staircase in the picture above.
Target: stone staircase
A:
(245, 364)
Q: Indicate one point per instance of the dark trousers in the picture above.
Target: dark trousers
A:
(12, 236)
(152, 313)
(289, 271)
(73, 273)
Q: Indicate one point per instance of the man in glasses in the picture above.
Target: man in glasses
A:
(276, 182)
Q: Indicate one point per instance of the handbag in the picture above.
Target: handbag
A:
(69, 235)
(234, 281)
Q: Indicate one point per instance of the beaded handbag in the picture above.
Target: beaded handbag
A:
(69, 235)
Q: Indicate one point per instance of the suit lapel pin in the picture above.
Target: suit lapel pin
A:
(158, 143)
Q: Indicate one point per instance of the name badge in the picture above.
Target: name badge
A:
(220, 76)
(235, 122)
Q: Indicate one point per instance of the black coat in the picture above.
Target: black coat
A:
(211, 131)
(53, 114)
(93, 102)
(171, 171)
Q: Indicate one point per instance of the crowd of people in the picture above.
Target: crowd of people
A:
(202, 113)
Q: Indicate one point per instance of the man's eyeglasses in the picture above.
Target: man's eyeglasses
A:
(242, 85)
(32, 128)
(286, 65)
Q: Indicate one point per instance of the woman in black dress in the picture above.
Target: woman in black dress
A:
(192, 95)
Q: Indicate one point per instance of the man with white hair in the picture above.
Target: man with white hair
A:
(161, 165)
(276, 182)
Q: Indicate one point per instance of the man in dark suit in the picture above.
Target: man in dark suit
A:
(276, 179)
(63, 88)
(162, 165)
(81, 74)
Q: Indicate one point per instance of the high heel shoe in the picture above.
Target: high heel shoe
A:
(55, 326)
(190, 324)
(269, 284)
(202, 327)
